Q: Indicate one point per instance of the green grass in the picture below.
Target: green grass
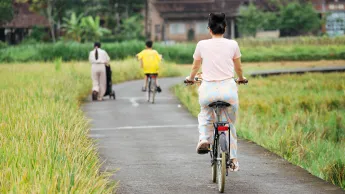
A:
(44, 144)
(302, 49)
(301, 118)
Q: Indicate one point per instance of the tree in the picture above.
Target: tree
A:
(114, 11)
(250, 20)
(271, 21)
(291, 18)
(298, 18)
(6, 11)
(133, 27)
(52, 9)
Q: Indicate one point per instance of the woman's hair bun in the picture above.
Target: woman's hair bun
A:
(217, 23)
(217, 17)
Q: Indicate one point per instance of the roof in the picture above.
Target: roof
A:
(179, 9)
(24, 18)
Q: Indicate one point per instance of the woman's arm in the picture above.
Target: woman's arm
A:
(195, 69)
(107, 62)
(238, 69)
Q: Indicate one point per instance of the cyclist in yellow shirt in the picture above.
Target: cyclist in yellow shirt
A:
(149, 61)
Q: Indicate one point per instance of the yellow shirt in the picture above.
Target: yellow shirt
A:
(150, 59)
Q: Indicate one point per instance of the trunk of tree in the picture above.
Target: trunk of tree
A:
(50, 19)
(146, 18)
(117, 17)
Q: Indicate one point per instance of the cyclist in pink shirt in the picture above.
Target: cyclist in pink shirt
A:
(219, 58)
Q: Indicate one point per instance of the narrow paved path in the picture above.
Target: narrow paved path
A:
(153, 148)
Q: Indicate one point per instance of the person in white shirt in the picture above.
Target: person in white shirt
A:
(98, 59)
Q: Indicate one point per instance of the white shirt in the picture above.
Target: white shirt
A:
(103, 57)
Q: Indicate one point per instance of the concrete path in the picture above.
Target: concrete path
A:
(153, 148)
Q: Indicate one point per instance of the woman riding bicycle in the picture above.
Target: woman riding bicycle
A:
(220, 58)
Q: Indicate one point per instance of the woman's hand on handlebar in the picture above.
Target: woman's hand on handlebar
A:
(242, 80)
(188, 80)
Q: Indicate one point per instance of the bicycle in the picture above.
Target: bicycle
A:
(220, 151)
(152, 88)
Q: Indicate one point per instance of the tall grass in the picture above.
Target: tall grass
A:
(44, 145)
(129, 70)
(302, 40)
(43, 133)
(301, 118)
(181, 53)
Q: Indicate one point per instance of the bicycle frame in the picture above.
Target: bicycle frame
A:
(220, 126)
(151, 78)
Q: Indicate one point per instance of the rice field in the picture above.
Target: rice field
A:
(301, 118)
(44, 143)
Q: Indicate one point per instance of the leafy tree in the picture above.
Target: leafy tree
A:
(291, 18)
(133, 27)
(250, 20)
(271, 21)
(298, 18)
(6, 11)
(54, 10)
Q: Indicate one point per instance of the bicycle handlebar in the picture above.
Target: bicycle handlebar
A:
(245, 82)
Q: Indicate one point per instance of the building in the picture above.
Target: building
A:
(334, 11)
(186, 20)
(20, 26)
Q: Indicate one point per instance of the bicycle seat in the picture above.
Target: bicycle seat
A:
(219, 104)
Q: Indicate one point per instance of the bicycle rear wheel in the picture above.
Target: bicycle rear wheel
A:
(149, 89)
(214, 164)
(221, 162)
(153, 90)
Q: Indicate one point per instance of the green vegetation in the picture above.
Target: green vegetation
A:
(252, 50)
(304, 122)
(81, 28)
(117, 16)
(6, 11)
(291, 18)
(43, 132)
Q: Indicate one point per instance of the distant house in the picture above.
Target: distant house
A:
(20, 26)
(335, 15)
(186, 20)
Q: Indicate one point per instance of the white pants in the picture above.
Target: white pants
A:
(209, 92)
(99, 79)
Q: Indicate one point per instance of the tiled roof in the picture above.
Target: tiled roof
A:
(196, 8)
(24, 18)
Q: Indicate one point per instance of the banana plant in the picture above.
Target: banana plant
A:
(92, 30)
(73, 27)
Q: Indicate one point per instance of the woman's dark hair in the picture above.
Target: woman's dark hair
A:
(217, 23)
(149, 43)
(98, 45)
